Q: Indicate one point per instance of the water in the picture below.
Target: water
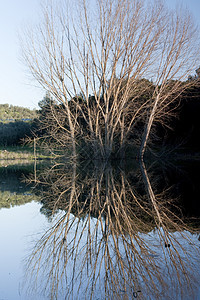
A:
(103, 233)
(18, 226)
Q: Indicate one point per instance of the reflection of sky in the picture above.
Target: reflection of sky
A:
(16, 226)
(185, 243)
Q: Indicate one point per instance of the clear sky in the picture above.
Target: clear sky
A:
(15, 86)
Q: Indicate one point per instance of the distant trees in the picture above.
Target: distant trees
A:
(16, 123)
(11, 113)
(93, 61)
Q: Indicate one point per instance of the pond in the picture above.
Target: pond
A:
(100, 231)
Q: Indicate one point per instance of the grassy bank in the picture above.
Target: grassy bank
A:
(20, 153)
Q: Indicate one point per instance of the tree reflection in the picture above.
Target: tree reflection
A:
(112, 236)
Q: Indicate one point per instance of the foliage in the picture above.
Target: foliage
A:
(16, 113)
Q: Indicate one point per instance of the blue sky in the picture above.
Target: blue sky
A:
(15, 85)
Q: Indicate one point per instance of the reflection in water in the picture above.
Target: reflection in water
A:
(113, 236)
(13, 191)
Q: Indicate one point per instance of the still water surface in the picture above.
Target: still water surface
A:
(18, 225)
(85, 237)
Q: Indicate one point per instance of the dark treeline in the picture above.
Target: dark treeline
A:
(176, 128)
(16, 123)
(183, 130)
(13, 133)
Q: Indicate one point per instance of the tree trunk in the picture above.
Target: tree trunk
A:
(148, 129)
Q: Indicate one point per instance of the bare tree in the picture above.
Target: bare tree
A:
(100, 50)
(177, 57)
